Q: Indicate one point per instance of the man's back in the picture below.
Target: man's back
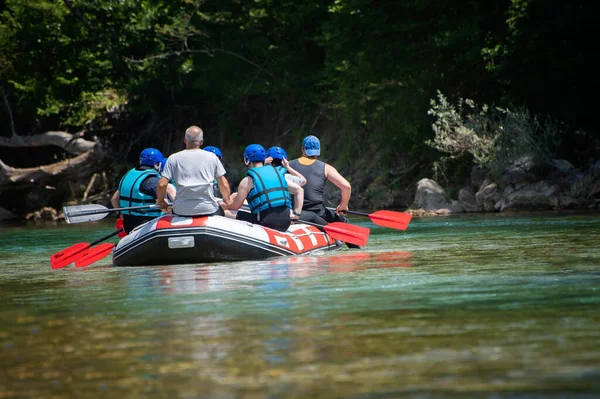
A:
(314, 172)
(193, 172)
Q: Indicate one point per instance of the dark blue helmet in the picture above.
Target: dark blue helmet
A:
(151, 157)
(255, 153)
(214, 150)
(276, 153)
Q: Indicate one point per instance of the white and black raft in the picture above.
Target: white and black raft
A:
(171, 239)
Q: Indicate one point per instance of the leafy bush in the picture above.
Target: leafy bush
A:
(497, 138)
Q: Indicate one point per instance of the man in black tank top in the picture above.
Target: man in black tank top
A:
(317, 173)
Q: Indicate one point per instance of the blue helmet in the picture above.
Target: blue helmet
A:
(255, 153)
(151, 157)
(214, 150)
(162, 165)
(276, 153)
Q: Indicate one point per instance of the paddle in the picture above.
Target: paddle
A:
(94, 254)
(391, 219)
(74, 252)
(345, 232)
(93, 212)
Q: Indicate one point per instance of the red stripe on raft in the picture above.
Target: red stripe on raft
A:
(165, 222)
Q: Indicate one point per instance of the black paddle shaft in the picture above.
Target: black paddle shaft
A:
(351, 212)
(107, 210)
(114, 233)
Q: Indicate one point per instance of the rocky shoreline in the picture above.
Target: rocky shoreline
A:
(557, 186)
(520, 188)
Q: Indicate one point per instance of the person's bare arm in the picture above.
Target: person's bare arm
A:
(243, 189)
(298, 193)
(346, 189)
(224, 189)
(115, 199)
(171, 192)
(161, 190)
(293, 171)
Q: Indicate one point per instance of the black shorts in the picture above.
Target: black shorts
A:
(277, 218)
(321, 215)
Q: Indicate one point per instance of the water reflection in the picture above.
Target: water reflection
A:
(180, 279)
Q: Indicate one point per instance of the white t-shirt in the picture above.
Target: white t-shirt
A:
(194, 172)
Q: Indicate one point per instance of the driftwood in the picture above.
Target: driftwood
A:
(80, 167)
(89, 187)
(72, 143)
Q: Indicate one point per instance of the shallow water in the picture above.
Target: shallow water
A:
(472, 306)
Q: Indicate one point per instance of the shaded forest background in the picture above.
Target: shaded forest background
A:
(87, 84)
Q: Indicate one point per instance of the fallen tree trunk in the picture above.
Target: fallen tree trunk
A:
(72, 143)
(79, 167)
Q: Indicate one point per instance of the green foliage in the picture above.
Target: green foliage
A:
(239, 67)
(497, 138)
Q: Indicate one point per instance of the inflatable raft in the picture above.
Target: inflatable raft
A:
(171, 239)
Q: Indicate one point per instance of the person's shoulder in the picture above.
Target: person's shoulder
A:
(208, 155)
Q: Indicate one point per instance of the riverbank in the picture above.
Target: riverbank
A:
(556, 186)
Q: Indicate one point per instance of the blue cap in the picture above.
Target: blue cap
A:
(311, 145)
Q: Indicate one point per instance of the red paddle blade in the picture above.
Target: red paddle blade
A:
(120, 225)
(349, 233)
(392, 219)
(68, 255)
(94, 254)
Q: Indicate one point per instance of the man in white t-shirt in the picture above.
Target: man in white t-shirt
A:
(193, 171)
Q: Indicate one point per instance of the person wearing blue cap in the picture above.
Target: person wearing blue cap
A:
(317, 173)
(138, 187)
(193, 170)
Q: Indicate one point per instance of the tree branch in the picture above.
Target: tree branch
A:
(207, 51)
(12, 121)
(79, 167)
(72, 143)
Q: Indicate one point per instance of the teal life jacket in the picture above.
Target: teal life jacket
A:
(281, 169)
(270, 189)
(216, 188)
(131, 195)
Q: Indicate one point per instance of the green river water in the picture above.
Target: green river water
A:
(455, 307)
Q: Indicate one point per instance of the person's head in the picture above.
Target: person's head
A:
(254, 153)
(193, 137)
(311, 146)
(152, 157)
(214, 150)
(277, 153)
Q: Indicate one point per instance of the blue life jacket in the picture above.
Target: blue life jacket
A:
(131, 195)
(270, 189)
(216, 188)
